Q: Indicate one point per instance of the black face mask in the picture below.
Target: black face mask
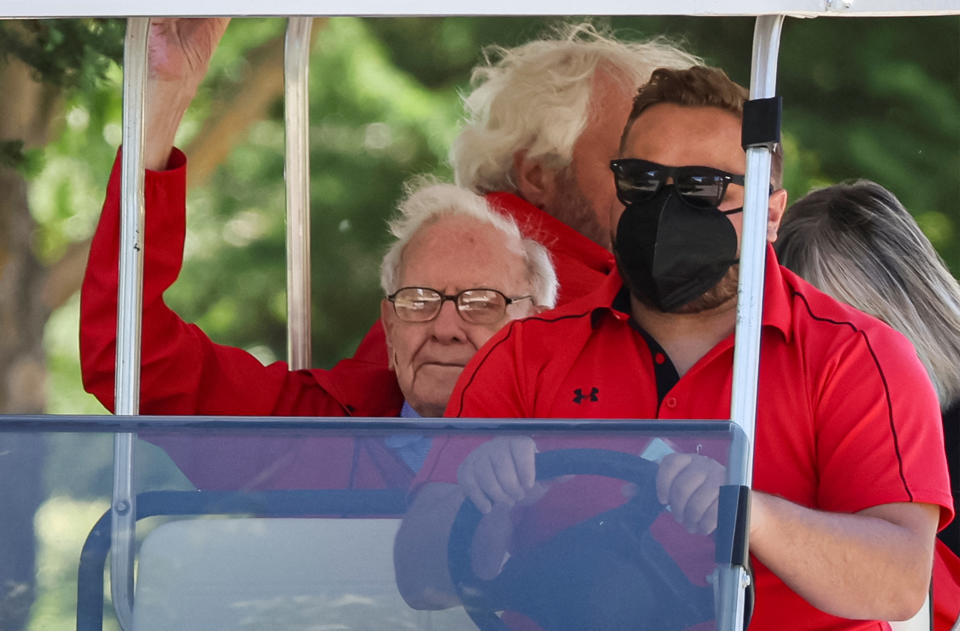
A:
(670, 252)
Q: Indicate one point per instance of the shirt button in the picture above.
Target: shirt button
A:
(671, 402)
(659, 358)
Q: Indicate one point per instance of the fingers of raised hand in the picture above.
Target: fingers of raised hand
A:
(181, 48)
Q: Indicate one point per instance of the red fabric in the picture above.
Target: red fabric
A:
(581, 264)
(184, 372)
(946, 588)
(830, 434)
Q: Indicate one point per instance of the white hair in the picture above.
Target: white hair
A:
(536, 98)
(428, 201)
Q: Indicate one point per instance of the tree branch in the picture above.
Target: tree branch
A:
(260, 88)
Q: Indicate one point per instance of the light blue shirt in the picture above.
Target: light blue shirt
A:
(411, 448)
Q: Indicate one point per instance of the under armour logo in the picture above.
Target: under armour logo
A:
(580, 396)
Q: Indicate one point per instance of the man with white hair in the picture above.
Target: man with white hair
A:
(543, 123)
(451, 246)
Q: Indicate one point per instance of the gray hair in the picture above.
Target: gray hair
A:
(858, 243)
(536, 98)
(428, 201)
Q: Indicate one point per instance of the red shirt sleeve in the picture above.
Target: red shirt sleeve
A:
(878, 424)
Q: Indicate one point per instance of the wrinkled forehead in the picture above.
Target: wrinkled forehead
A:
(455, 252)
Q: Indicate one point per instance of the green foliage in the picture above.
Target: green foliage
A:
(65, 53)
(879, 99)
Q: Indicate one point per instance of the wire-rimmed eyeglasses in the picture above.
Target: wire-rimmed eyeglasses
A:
(477, 306)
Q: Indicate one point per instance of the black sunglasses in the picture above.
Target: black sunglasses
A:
(702, 187)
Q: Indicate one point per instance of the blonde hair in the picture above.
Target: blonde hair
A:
(536, 98)
(427, 201)
(858, 243)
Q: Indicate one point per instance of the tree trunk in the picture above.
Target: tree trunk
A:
(23, 314)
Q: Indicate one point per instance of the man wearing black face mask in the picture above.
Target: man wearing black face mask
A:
(849, 483)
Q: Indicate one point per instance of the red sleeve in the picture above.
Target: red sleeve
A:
(494, 383)
(182, 370)
(879, 436)
(946, 587)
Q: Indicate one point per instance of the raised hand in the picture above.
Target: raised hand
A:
(181, 48)
(179, 53)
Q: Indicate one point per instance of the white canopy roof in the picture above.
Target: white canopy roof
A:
(799, 8)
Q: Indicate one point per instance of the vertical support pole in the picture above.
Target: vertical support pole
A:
(129, 312)
(296, 64)
(746, 360)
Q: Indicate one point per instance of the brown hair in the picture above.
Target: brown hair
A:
(698, 86)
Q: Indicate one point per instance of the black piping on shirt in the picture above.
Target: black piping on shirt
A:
(883, 378)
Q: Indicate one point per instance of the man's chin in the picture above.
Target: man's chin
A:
(433, 387)
(715, 298)
(709, 301)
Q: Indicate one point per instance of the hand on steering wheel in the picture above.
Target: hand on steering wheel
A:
(482, 598)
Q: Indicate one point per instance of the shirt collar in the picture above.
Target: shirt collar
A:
(408, 412)
(612, 299)
(552, 233)
(777, 296)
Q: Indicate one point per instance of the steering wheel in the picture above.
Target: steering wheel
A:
(619, 575)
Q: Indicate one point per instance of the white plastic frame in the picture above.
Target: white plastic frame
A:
(796, 8)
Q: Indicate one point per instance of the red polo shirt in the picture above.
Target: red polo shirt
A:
(846, 417)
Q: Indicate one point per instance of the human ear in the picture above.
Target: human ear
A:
(777, 206)
(534, 182)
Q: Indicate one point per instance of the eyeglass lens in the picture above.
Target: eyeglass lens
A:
(640, 180)
(478, 306)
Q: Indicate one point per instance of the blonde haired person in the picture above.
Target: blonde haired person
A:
(550, 180)
(857, 242)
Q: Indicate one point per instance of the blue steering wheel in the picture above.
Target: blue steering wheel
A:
(606, 572)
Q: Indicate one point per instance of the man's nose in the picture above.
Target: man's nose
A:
(448, 325)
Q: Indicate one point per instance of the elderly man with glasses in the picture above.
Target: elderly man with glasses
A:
(450, 246)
